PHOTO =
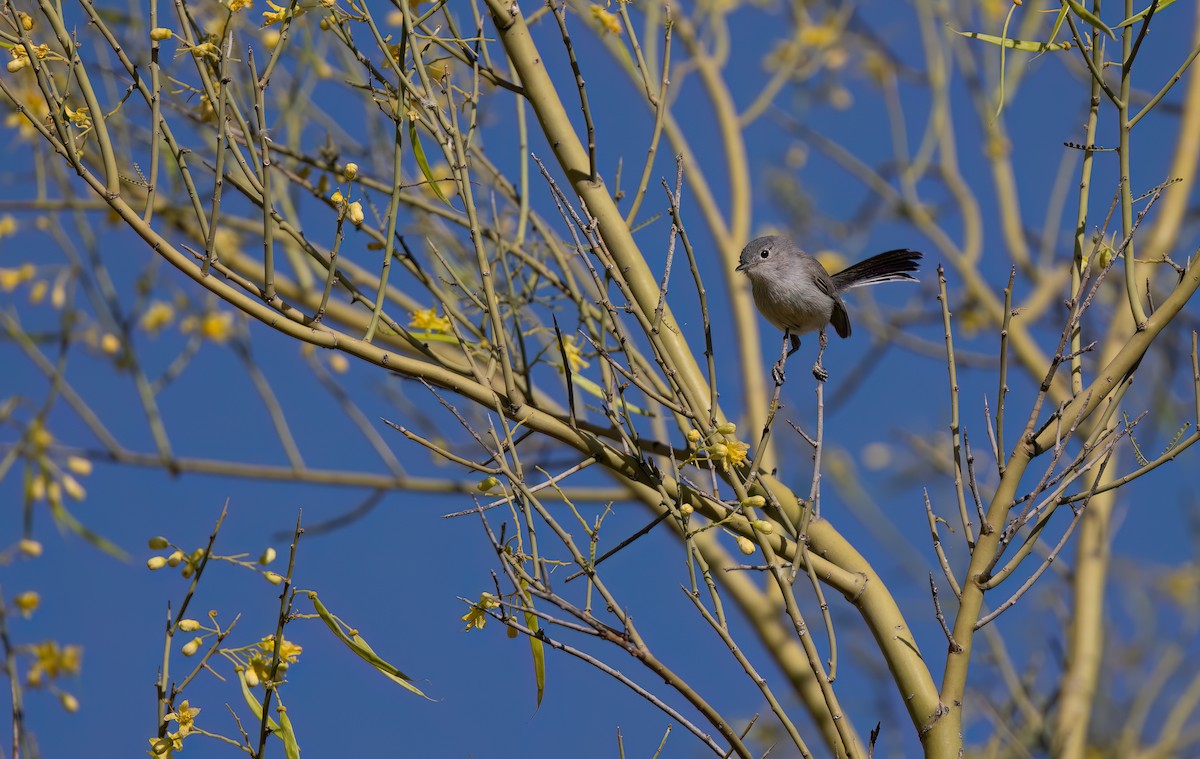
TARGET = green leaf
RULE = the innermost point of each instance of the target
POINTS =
(253, 702)
(536, 647)
(290, 747)
(1058, 22)
(423, 163)
(1139, 16)
(1091, 18)
(67, 520)
(360, 647)
(1029, 46)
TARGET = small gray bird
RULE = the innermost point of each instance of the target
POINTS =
(796, 294)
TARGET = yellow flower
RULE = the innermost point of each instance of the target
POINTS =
(354, 212)
(80, 118)
(574, 353)
(49, 660)
(166, 746)
(477, 616)
(427, 320)
(11, 278)
(158, 314)
(260, 669)
(215, 325)
(608, 21)
(729, 453)
(185, 716)
(279, 13)
(239, 5)
(203, 50)
(8, 225)
(27, 603)
(448, 186)
(819, 35)
(288, 651)
(831, 260)
(339, 364)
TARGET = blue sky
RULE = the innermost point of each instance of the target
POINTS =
(397, 573)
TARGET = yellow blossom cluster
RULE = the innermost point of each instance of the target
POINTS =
(607, 20)
(574, 353)
(216, 326)
(427, 320)
(185, 716)
(259, 665)
(51, 662)
(476, 617)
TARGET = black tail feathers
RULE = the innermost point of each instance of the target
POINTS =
(892, 266)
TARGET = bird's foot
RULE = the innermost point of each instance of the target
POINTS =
(819, 372)
(777, 373)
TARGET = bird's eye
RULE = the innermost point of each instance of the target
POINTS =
(764, 252)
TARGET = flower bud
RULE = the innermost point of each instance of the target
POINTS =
(487, 484)
(158, 542)
(191, 647)
(728, 428)
(79, 465)
(161, 33)
(30, 547)
(156, 562)
(189, 625)
(354, 212)
(273, 577)
(351, 170)
(69, 702)
(686, 509)
(174, 559)
(267, 556)
(746, 545)
(754, 502)
(693, 436)
(763, 526)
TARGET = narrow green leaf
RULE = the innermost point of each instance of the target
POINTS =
(290, 747)
(67, 520)
(1058, 22)
(359, 646)
(536, 647)
(253, 702)
(1139, 16)
(1091, 18)
(1029, 46)
(422, 162)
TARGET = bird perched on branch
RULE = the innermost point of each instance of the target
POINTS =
(795, 293)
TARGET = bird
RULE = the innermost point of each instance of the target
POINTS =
(795, 293)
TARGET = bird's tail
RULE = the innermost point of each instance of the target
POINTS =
(892, 266)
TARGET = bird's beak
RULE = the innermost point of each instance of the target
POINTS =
(742, 267)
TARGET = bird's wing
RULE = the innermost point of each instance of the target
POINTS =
(839, 318)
